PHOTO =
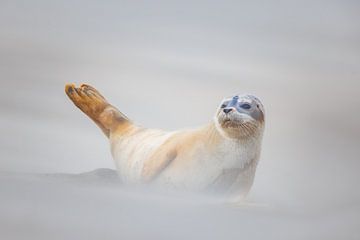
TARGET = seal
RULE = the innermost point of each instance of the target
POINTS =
(220, 157)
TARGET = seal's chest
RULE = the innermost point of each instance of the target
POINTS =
(231, 155)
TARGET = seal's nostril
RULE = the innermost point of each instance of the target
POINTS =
(227, 110)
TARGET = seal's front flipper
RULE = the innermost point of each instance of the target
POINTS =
(158, 162)
(94, 105)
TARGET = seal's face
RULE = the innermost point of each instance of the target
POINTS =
(240, 116)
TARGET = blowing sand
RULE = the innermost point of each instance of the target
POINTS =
(168, 64)
(94, 205)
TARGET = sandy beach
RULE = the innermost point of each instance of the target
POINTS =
(168, 65)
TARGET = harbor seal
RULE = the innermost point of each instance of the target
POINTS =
(220, 157)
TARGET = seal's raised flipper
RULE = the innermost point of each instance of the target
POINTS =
(93, 104)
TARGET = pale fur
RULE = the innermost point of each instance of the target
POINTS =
(203, 155)
(220, 157)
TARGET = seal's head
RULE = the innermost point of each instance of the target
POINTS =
(240, 116)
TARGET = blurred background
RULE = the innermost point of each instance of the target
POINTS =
(168, 64)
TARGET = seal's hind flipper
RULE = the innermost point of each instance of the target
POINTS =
(93, 104)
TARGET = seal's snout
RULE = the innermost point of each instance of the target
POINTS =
(227, 110)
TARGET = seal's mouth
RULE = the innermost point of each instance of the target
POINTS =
(226, 120)
(237, 127)
(230, 123)
(234, 120)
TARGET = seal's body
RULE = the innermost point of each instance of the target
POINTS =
(220, 157)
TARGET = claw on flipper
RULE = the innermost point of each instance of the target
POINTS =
(94, 105)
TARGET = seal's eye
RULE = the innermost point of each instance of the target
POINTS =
(223, 105)
(245, 106)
